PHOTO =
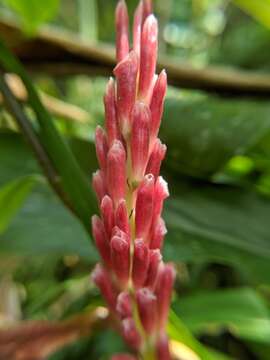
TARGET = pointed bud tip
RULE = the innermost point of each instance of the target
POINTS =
(151, 24)
(146, 295)
(95, 220)
(118, 243)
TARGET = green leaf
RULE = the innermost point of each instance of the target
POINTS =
(203, 133)
(219, 223)
(73, 180)
(33, 13)
(12, 197)
(241, 311)
(178, 331)
(260, 10)
(16, 158)
(44, 226)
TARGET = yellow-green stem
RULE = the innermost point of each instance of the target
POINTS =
(147, 350)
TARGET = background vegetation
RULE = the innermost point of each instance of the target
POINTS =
(217, 128)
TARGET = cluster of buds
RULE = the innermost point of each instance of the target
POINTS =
(134, 281)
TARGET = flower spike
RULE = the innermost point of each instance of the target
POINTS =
(133, 279)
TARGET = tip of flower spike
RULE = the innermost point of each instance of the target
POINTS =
(121, 13)
(130, 61)
(151, 27)
(122, 31)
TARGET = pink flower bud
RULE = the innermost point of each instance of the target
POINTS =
(130, 333)
(156, 157)
(165, 280)
(148, 57)
(116, 171)
(120, 258)
(116, 231)
(144, 207)
(122, 41)
(98, 183)
(101, 239)
(158, 232)
(121, 217)
(147, 8)
(161, 192)
(163, 352)
(147, 303)
(154, 262)
(140, 139)
(140, 263)
(157, 103)
(102, 280)
(126, 77)
(111, 123)
(123, 357)
(137, 28)
(101, 147)
(106, 208)
(123, 305)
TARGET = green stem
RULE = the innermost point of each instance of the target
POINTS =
(147, 350)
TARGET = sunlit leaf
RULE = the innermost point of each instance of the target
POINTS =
(241, 311)
(259, 9)
(179, 332)
(32, 12)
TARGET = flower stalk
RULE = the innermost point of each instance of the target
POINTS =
(132, 278)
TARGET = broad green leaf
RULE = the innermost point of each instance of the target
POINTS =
(178, 331)
(44, 226)
(16, 158)
(12, 197)
(32, 12)
(219, 223)
(74, 182)
(259, 9)
(242, 311)
(203, 133)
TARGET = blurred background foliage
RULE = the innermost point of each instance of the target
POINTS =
(217, 166)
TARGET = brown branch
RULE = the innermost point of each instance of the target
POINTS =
(53, 105)
(61, 53)
(36, 340)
